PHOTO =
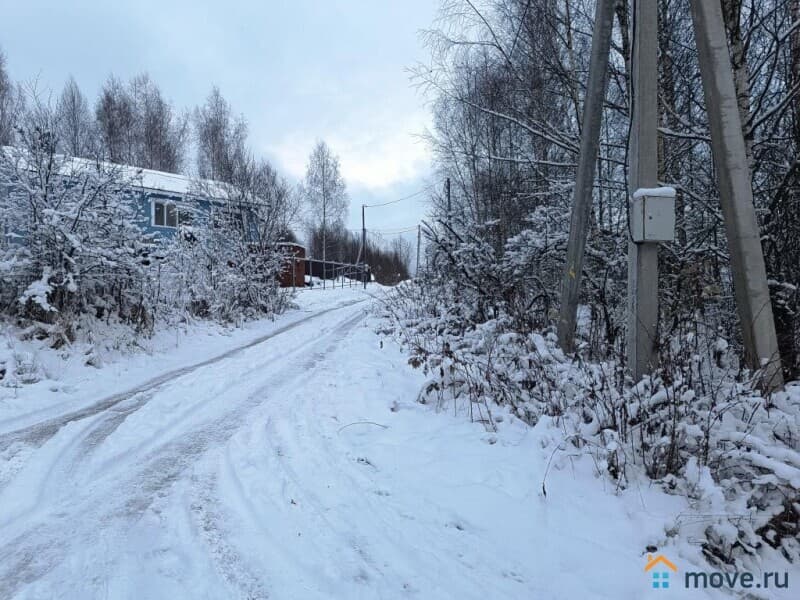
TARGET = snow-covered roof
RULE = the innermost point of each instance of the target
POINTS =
(149, 179)
(178, 184)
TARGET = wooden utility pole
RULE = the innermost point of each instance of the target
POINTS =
(643, 257)
(419, 239)
(324, 241)
(736, 194)
(447, 193)
(364, 245)
(584, 183)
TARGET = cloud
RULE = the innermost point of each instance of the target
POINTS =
(375, 151)
(298, 71)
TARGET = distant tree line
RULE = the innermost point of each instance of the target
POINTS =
(326, 206)
(389, 265)
(132, 123)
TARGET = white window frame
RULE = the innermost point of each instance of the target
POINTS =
(167, 203)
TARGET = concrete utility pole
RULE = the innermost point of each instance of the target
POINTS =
(643, 257)
(584, 183)
(736, 194)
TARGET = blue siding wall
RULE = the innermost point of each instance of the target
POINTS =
(199, 209)
(142, 201)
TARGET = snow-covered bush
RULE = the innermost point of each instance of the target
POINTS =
(73, 248)
(71, 244)
(226, 264)
(204, 273)
(696, 414)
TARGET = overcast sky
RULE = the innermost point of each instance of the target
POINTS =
(299, 70)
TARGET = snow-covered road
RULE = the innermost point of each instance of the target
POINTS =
(302, 467)
(91, 478)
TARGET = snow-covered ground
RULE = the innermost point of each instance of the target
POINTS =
(69, 379)
(302, 467)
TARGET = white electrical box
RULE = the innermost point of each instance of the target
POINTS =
(653, 215)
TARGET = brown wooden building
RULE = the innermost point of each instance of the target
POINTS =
(294, 271)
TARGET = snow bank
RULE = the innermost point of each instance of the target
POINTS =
(698, 432)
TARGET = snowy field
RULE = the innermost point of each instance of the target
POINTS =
(302, 467)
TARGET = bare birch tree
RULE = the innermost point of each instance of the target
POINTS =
(324, 192)
(220, 138)
(77, 133)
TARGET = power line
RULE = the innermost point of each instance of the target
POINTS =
(389, 231)
(414, 195)
(393, 231)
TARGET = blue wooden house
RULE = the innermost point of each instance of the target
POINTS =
(167, 200)
(163, 202)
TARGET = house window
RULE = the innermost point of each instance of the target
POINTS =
(167, 214)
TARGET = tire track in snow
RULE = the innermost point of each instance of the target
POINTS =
(346, 528)
(208, 515)
(341, 532)
(366, 520)
(39, 433)
(17, 446)
(208, 512)
(36, 551)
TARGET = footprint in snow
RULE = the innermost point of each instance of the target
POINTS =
(514, 576)
(455, 525)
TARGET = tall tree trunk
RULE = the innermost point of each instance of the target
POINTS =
(623, 21)
(573, 70)
(795, 65)
(732, 16)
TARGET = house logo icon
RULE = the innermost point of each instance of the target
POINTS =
(659, 568)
